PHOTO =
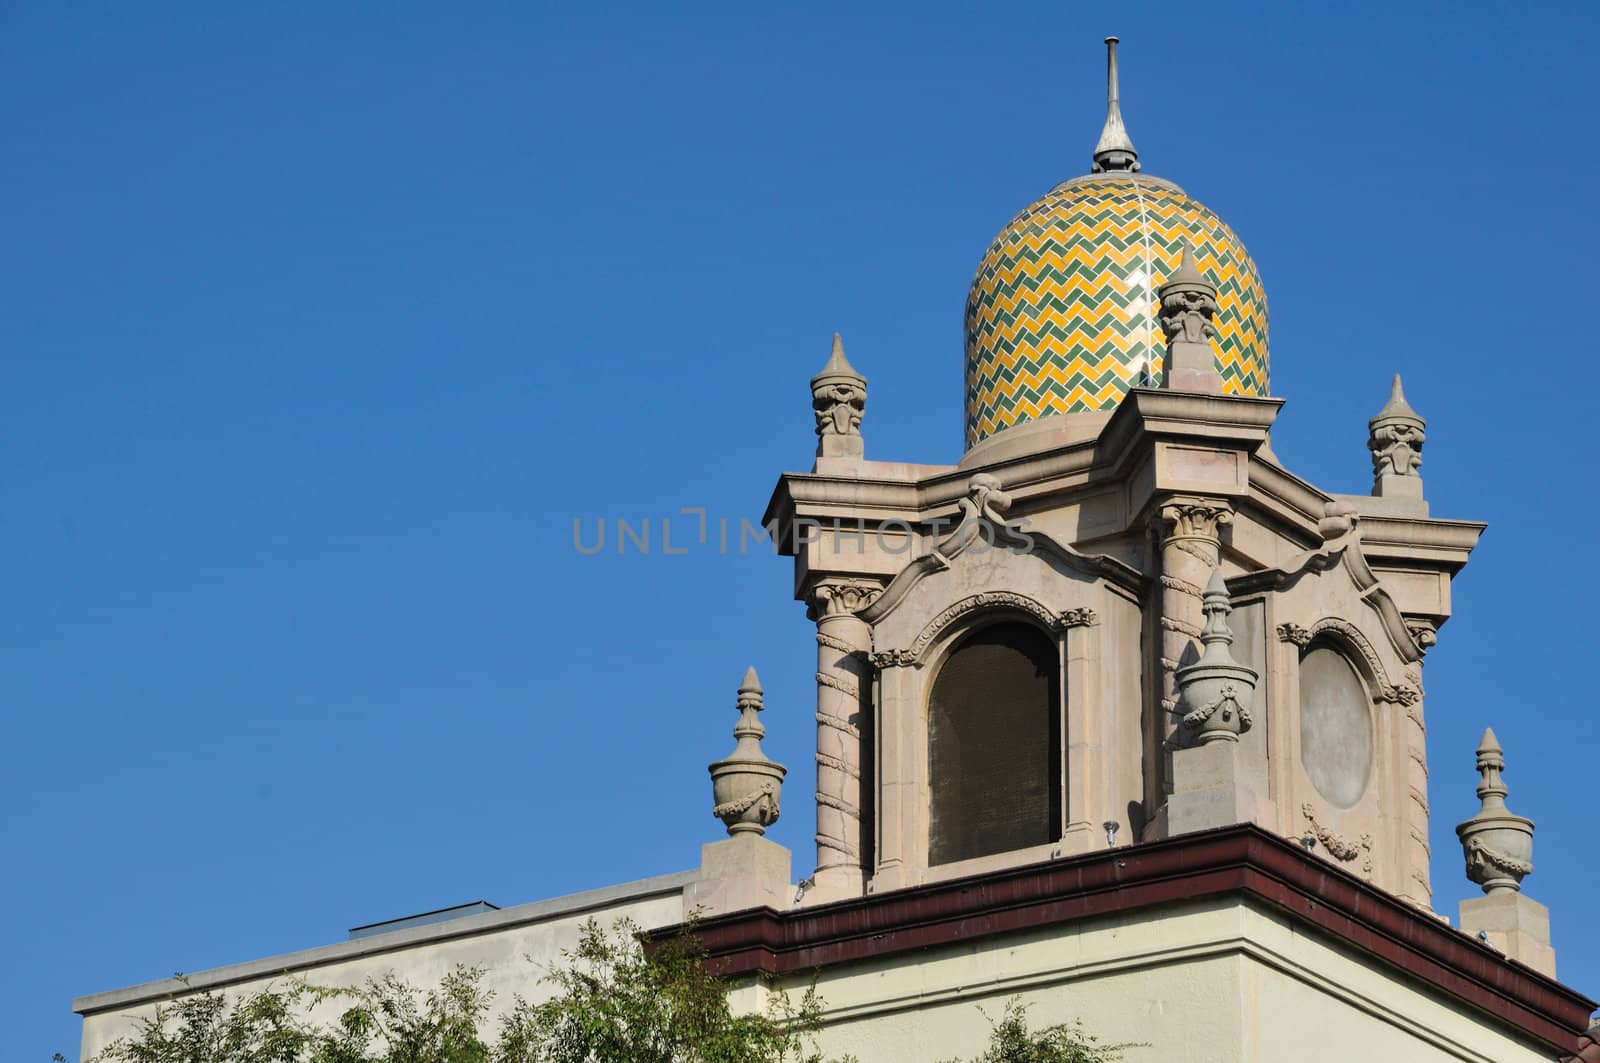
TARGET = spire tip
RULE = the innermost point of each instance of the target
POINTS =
(1114, 152)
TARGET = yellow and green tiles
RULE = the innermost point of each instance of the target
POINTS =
(1062, 316)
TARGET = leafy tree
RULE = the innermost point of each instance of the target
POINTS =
(617, 1003)
(613, 1003)
(1011, 1041)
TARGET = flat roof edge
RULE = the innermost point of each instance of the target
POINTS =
(466, 926)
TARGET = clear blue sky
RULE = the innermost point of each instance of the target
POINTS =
(320, 327)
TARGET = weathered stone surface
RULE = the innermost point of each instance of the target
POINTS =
(746, 871)
(1335, 727)
(1514, 923)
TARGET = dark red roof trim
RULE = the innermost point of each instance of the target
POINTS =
(1243, 860)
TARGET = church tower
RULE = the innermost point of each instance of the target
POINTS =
(1119, 618)
(1117, 718)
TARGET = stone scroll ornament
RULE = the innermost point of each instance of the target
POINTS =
(746, 786)
(1497, 843)
(1215, 693)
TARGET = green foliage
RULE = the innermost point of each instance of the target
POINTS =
(613, 1003)
(617, 1005)
(1011, 1041)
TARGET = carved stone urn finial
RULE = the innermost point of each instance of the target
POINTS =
(1215, 692)
(1498, 844)
(746, 785)
(1395, 437)
(839, 399)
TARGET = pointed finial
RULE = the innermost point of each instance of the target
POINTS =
(1397, 406)
(745, 787)
(1187, 277)
(1215, 692)
(838, 364)
(1188, 303)
(839, 401)
(1114, 152)
(1395, 437)
(1498, 844)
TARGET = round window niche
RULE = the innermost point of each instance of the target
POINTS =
(1335, 727)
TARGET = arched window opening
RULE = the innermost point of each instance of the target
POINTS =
(994, 745)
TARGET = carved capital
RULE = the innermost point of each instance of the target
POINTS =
(1193, 518)
(1295, 633)
(1077, 618)
(839, 407)
(892, 658)
(841, 597)
(1396, 448)
(1186, 316)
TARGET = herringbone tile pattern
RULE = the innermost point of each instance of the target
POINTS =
(1062, 314)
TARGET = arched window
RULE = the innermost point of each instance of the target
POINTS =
(994, 745)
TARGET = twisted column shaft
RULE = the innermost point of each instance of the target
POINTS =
(1189, 552)
(843, 678)
(1417, 887)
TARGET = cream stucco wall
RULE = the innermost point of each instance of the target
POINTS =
(1220, 981)
(515, 946)
(1215, 982)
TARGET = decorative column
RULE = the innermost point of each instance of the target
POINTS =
(1189, 552)
(1498, 845)
(843, 675)
(1406, 697)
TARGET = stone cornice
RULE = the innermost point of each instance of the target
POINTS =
(1242, 861)
(308, 960)
(1444, 543)
(1145, 416)
(1273, 495)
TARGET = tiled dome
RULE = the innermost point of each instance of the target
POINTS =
(1063, 314)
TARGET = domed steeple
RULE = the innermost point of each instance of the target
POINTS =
(1063, 315)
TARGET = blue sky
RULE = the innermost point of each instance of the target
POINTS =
(320, 327)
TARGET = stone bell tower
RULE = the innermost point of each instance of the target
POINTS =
(1119, 617)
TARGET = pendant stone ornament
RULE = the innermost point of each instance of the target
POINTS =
(745, 787)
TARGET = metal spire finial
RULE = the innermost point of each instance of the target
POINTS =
(1115, 151)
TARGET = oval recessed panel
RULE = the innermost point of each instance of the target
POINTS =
(1335, 727)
